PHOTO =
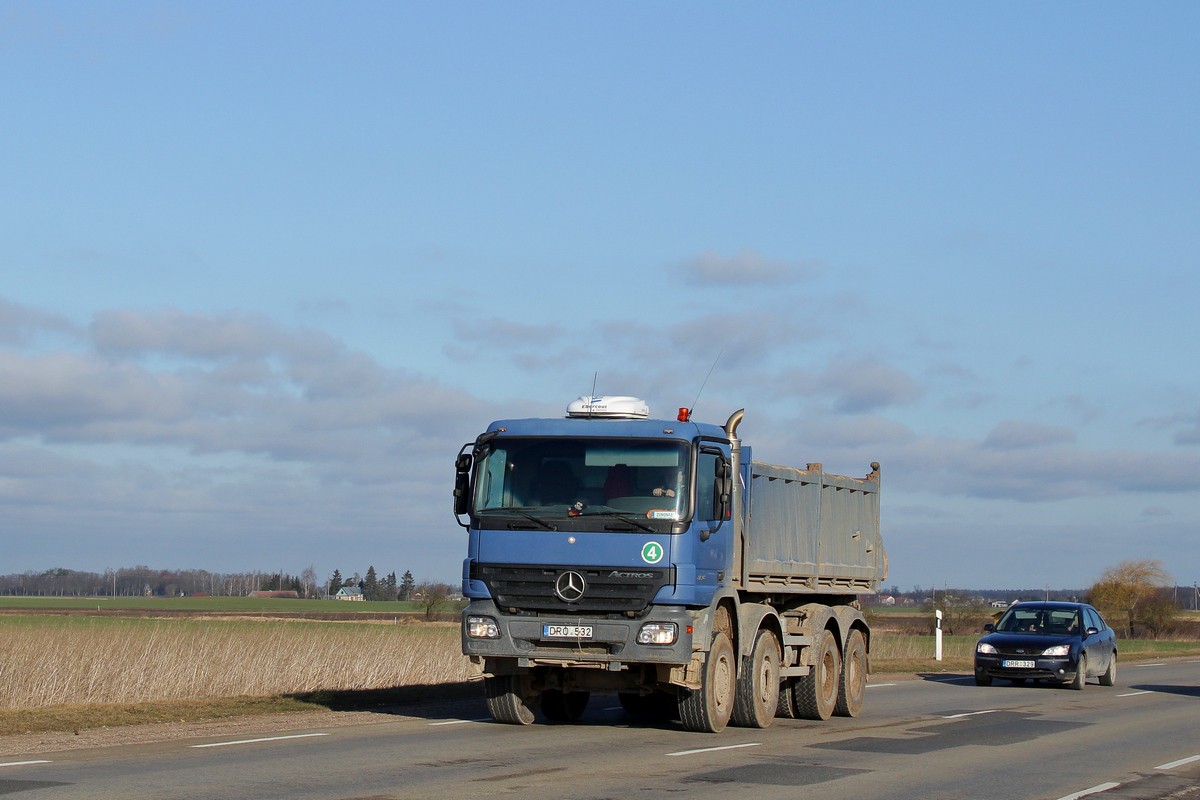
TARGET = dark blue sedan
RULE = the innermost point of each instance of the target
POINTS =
(1061, 642)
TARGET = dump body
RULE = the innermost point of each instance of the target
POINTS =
(812, 532)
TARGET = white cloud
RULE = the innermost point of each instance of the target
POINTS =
(19, 324)
(1014, 434)
(746, 267)
(867, 385)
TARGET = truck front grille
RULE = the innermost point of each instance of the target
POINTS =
(607, 590)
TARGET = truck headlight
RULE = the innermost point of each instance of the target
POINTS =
(1057, 650)
(657, 633)
(984, 647)
(482, 628)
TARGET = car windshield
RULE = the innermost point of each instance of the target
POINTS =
(560, 477)
(1046, 621)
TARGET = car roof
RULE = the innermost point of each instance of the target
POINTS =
(1051, 604)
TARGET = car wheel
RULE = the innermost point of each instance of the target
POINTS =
(983, 680)
(1110, 675)
(1080, 674)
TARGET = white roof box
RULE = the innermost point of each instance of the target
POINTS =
(616, 407)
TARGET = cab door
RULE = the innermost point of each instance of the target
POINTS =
(712, 535)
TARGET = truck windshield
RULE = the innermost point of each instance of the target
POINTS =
(556, 478)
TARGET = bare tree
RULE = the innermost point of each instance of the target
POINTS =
(431, 594)
(1124, 593)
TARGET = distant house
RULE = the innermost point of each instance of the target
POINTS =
(349, 593)
(290, 595)
(887, 600)
(999, 604)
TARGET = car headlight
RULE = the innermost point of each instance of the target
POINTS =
(482, 628)
(1057, 650)
(984, 647)
(657, 633)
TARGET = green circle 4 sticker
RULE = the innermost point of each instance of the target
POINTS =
(652, 552)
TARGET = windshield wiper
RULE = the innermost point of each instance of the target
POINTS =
(530, 517)
(619, 516)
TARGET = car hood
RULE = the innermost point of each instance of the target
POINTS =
(1032, 642)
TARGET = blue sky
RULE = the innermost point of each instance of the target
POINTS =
(264, 267)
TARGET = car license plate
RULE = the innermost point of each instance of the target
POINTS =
(1016, 664)
(567, 631)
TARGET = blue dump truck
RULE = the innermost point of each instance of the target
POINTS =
(612, 552)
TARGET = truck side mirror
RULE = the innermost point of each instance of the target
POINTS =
(462, 484)
(722, 490)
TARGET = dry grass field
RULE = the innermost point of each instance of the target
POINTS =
(57, 661)
(48, 661)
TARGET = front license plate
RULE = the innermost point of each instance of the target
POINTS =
(1010, 663)
(567, 631)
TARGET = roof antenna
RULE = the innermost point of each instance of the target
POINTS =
(692, 410)
(592, 396)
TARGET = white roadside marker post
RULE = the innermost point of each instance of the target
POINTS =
(938, 636)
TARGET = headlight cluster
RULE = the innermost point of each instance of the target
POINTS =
(984, 647)
(657, 633)
(482, 628)
(1057, 650)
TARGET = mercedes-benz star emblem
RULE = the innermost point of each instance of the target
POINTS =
(569, 587)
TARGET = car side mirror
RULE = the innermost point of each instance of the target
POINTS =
(989, 627)
(1093, 631)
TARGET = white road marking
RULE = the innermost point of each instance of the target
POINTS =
(461, 721)
(1135, 694)
(711, 749)
(1194, 662)
(266, 739)
(972, 713)
(1168, 765)
(874, 685)
(1103, 787)
(23, 763)
(1159, 664)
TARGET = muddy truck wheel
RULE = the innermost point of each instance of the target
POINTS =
(707, 709)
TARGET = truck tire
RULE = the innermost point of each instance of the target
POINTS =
(815, 694)
(563, 706)
(509, 701)
(787, 705)
(852, 688)
(659, 705)
(757, 694)
(707, 709)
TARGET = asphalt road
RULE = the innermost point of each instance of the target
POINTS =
(927, 739)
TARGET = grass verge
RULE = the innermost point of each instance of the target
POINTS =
(112, 715)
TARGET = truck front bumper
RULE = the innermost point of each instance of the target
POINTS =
(613, 643)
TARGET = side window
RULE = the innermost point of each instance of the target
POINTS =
(1094, 620)
(706, 466)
